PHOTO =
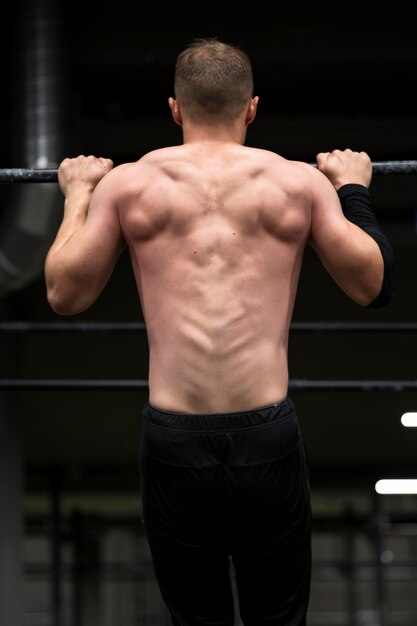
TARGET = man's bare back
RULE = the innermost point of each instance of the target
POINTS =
(216, 234)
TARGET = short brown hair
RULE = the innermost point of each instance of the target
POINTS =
(213, 79)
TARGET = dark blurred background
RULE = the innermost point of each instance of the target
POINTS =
(94, 78)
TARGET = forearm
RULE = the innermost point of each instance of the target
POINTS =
(75, 215)
(356, 206)
(72, 274)
(59, 263)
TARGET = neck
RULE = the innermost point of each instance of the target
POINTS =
(214, 133)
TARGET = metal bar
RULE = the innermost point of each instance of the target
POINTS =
(350, 567)
(56, 544)
(11, 517)
(391, 167)
(78, 569)
(367, 327)
(295, 384)
(298, 384)
(394, 167)
(23, 327)
(381, 583)
(62, 384)
(28, 175)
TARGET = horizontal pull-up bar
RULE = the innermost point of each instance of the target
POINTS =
(28, 175)
(24, 327)
(295, 384)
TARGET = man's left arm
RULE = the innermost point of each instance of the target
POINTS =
(357, 208)
(89, 240)
(350, 173)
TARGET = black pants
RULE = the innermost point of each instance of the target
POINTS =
(219, 486)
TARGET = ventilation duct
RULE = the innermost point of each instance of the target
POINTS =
(33, 212)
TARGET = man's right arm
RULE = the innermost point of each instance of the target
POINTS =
(89, 240)
(346, 233)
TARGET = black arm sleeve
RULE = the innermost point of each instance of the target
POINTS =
(357, 208)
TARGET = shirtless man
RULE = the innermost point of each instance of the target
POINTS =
(216, 233)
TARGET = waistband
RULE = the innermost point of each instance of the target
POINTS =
(219, 421)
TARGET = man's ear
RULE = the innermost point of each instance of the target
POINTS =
(252, 108)
(175, 110)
